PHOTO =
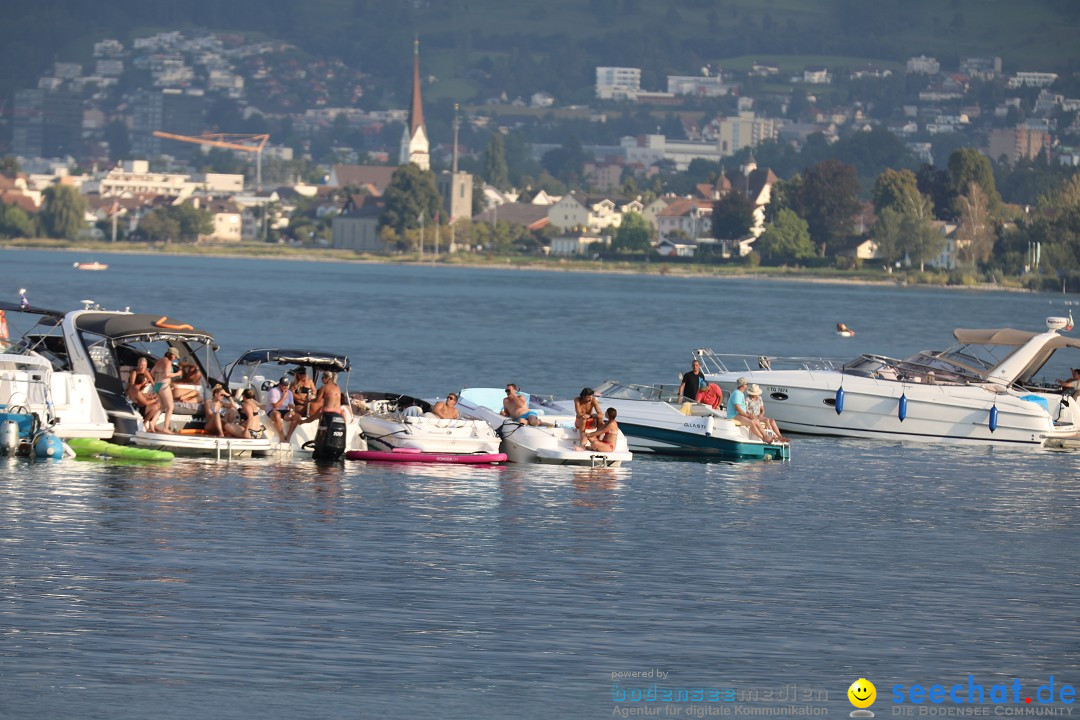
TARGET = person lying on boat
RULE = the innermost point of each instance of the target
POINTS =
(587, 413)
(327, 400)
(446, 410)
(249, 425)
(280, 408)
(216, 407)
(303, 390)
(189, 375)
(163, 372)
(694, 387)
(736, 410)
(603, 439)
(139, 383)
(755, 408)
(516, 407)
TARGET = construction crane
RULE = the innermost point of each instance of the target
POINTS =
(229, 141)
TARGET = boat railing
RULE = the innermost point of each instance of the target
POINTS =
(714, 363)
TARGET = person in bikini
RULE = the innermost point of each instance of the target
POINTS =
(303, 390)
(215, 408)
(163, 374)
(249, 416)
(586, 411)
(603, 439)
(516, 407)
(139, 381)
(446, 410)
(189, 375)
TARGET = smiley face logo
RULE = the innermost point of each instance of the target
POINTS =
(862, 693)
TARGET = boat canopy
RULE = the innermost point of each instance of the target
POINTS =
(134, 326)
(999, 336)
(309, 358)
(54, 315)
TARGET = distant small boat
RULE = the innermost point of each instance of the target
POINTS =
(90, 266)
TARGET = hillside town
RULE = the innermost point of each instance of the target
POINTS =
(147, 145)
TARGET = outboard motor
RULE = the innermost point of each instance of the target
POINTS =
(9, 437)
(330, 438)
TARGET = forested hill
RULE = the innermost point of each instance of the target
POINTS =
(519, 48)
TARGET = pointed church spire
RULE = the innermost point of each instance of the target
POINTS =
(414, 141)
(416, 110)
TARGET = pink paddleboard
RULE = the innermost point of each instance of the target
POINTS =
(423, 457)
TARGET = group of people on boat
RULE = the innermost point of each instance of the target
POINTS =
(597, 429)
(745, 405)
(293, 401)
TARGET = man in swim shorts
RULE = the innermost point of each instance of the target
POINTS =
(516, 407)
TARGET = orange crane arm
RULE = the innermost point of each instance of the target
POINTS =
(220, 140)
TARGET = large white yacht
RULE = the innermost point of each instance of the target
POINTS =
(996, 386)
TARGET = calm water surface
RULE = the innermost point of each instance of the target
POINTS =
(259, 589)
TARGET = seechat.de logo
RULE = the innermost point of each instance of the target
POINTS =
(862, 695)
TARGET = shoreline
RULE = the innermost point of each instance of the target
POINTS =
(594, 267)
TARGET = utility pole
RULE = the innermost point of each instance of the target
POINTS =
(421, 244)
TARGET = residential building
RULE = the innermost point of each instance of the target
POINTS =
(373, 178)
(923, 65)
(591, 213)
(170, 110)
(579, 244)
(699, 85)
(816, 75)
(1026, 141)
(1032, 79)
(357, 227)
(617, 83)
(745, 130)
(531, 217)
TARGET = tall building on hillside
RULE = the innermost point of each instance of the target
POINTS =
(414, 141)
(171, 110)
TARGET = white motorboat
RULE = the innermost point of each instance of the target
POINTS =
(656, 420)
(102, 346)
(555, 441)
(36, 380)
(984, 390)
(261, 369)
(393, 422)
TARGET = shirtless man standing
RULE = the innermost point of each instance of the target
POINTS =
(516, 407)
(163, 374)
(446, 410)
(328, 399)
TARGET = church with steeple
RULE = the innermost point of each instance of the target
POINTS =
(414, 141)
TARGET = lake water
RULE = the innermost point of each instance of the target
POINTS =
(266, 589)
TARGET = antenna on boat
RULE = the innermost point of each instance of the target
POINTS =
(87, 304)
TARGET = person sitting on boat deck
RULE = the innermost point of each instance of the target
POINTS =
(303, 389)
(736, 410)
(327, 400)
(516, 407)
(587, 412)
(139, 382)
(249, 417)
(163, 374)
(215, 408)
(755, 408)
(446, 410)
(280, 407)
(189, 375)
(603, 439)
(695, 388)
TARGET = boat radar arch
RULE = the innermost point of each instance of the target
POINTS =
(1058, 323)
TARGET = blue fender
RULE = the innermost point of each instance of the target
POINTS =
(901, 411)
(839, 399)
(993, 418)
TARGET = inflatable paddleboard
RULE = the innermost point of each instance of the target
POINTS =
(415, 456)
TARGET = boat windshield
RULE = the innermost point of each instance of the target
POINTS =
(976, 357)
(627, 391)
